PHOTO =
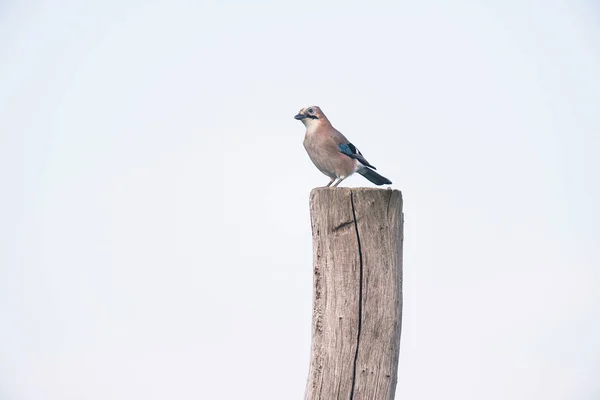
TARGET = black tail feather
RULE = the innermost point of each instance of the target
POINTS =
(374, 176)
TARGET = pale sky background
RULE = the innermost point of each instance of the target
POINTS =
(154, 227)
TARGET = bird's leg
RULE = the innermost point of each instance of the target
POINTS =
(339, 181)
(330, 182)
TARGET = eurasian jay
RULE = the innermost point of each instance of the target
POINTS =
(331, 152)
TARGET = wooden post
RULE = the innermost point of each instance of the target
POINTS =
(357, 297)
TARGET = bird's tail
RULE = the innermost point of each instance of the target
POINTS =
(374, 176)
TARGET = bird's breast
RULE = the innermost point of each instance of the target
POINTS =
(324, 154)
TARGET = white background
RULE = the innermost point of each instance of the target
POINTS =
(154, 229)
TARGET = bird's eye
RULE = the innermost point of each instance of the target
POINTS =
(311, 111)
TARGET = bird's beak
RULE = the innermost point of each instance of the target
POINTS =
(300, 116)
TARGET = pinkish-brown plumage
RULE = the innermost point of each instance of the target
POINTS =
(322, 143)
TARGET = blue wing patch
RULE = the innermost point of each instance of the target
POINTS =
(347, 150)
(351, 151)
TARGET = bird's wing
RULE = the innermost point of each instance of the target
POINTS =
(351, 151)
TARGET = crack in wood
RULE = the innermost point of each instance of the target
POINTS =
(342, 225)
(360, 293)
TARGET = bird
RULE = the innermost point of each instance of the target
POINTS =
(331, 152)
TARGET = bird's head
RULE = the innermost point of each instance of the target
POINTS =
(311, 116)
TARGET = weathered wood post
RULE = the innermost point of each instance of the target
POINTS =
(357, 294)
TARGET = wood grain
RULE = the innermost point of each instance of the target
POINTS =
(357, 293)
